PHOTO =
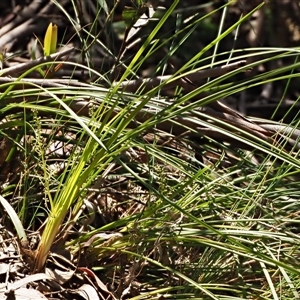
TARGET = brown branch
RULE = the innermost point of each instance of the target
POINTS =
(31, 64)
(149, 83)
(44, 82)
(178, 125)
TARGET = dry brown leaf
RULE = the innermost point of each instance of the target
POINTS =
(87, 292)
(91, 275)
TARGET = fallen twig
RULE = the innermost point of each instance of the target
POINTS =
(31, 64)
(166, 81)
(45, 82)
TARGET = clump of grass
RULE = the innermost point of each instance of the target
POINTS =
(209, 220)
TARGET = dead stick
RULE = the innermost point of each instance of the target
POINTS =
(45, 82)
(31, 64)
(149, 83)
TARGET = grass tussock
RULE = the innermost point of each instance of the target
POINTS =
(148, 187)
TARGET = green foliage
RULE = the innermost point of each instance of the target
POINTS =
(131, 15)
(221, 227)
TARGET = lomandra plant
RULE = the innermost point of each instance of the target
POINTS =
(210, 207)
(106, 141)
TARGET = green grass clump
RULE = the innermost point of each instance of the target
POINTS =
(136, 190)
